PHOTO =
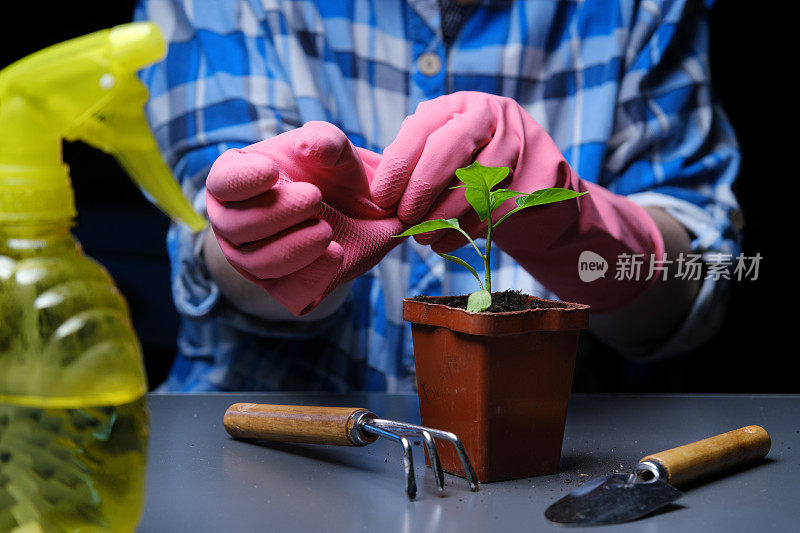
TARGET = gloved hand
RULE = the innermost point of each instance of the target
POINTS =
(294, 215)
(452, 131)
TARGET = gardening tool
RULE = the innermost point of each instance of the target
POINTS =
(341, 426)
(623, 497)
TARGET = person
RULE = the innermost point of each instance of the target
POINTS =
(411, 90)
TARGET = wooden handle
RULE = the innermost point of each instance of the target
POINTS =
(715, 454)
(296, 423)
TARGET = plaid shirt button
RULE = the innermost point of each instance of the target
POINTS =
(429, 64)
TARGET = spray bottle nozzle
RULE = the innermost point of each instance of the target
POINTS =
(83, 89)
(134, 46)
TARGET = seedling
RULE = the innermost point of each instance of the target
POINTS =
(478, 184)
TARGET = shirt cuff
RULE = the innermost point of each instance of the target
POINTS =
(707, 313)
(702, 322)
(194, 291)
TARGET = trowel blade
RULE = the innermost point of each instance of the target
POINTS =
(610, 500)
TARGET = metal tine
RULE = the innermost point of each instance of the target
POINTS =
(433, 456)
(408, 458)
(430, 447)
(472, 478)
(452, 438)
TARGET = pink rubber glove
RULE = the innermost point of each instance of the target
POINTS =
(448, 132)
(294, 215)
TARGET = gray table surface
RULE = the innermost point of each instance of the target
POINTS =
(201, 480)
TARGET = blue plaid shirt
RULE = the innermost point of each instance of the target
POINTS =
(621, 86)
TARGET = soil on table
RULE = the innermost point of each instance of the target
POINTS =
(502, 302)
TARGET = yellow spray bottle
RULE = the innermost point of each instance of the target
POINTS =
(73, 425)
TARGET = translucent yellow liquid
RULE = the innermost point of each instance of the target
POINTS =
(73, 421)
(77, 470)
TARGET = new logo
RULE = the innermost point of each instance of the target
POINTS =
(591, 266)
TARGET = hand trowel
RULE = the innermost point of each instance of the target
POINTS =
(622, 497)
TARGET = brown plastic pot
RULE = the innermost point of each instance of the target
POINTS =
(500, 381)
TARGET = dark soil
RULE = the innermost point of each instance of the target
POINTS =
(502, 302)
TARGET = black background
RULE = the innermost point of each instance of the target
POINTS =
(752, 66)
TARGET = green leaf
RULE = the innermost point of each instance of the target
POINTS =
(496, 198)
(547, 196)
(431, 225)
(479, 200)
(478, 301)
(478, 181)
(540, 197)
(459, 261)
(479, 176)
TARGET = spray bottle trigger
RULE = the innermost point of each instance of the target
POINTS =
(120, 128)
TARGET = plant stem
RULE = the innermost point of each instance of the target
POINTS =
(487, 256)
(465, 234)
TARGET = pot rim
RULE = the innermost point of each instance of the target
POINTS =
(567, 316)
